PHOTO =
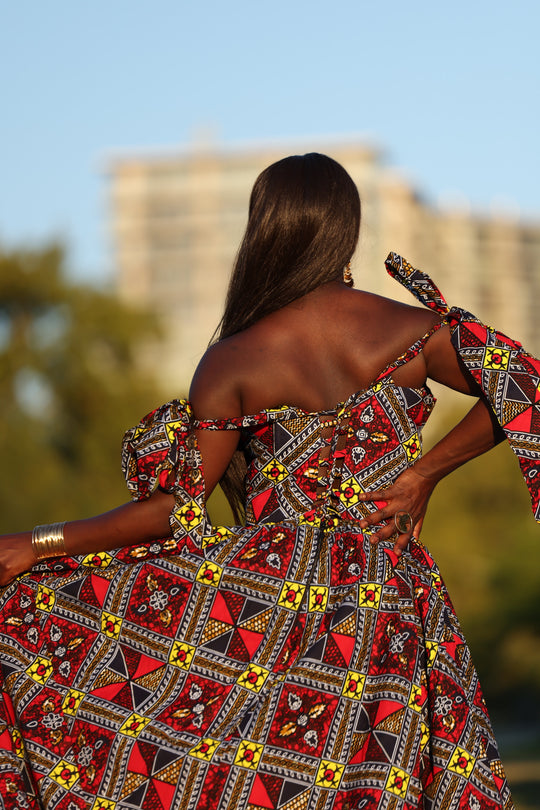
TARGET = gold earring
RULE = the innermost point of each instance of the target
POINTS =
(347, 276)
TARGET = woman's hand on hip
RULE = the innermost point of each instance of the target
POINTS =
(403, 508)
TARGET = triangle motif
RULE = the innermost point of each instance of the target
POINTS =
(136, 762)
(252, 641)
(387, 742)
(345, 645)
(237, 648)
(136, 799)
(521, 422)
(282, 437)
(145, 666)
(290, 792)
(316, 651)
(118, 664)
(220, 609)
(515, 393)
(163, 792)
(221, 643)
(259, 502)
(251, 608)
(259, 795)
(100, 586)
(139, 695)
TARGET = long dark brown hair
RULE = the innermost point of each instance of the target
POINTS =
(302, 230)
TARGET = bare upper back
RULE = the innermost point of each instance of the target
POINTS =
(313, 353)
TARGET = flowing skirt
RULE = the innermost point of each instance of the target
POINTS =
(286, 666)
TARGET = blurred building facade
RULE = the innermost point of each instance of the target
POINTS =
(178, 219)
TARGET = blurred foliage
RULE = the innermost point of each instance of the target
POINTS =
(70, 384)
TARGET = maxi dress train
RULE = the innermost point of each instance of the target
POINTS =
(286, 664)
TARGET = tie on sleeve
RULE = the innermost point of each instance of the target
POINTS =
(162, 452)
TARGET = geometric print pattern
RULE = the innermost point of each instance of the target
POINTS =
(285, 664)
(507, 374)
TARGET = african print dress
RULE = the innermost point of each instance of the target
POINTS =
(285, 664)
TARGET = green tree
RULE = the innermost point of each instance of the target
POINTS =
(71, 382)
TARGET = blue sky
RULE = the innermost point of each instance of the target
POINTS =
(448, 91)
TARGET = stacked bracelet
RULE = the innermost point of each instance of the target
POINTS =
(48, 541)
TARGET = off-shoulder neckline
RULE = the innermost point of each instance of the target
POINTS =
(281, 410)
(342, 405)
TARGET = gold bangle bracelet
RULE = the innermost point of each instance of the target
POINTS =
(48, 541)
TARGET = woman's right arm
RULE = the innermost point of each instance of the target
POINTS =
(142, 521)
(129, 524)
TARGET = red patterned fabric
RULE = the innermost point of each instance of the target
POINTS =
(286, 664)
(507, 374)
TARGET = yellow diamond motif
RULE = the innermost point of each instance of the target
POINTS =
(415, 698)
(397, 782)
(432, 649)
(40, 670)
(496, 358)
(189, 515)
(424, 735)
(45, 599)
(310, 519)
(65, 774)
(220, 533)
(349, 491)
(181, 654)
(204, 749)
(209, 574)
(110, 624)
(72, 701)
(413, 447)
(133, 726)
(253, 678)
(210, 540)
(17, 740)
(436, 583)
(369, 595)
(103, 804)
(172, 429)
(291, 595)
(249, 754)
(275, 471)
(354, 685)
(461, 762)
(329, 774)
(318, 598)
(99, 559)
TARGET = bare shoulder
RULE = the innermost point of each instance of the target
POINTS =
(215, 387)
(419, 317)
(397, 322)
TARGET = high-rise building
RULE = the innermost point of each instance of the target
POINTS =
(178, 219)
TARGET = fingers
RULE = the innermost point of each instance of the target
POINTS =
(390, 530)
(401, 544)
(379, 496)
(418, 528)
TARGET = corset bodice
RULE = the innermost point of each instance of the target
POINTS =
(314, 465)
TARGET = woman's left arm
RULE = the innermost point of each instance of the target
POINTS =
(411, 491)
(477, 433)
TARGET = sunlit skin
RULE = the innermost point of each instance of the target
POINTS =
(311, 354)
